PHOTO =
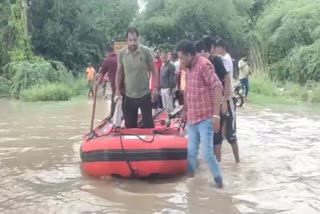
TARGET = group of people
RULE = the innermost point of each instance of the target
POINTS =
(198, 73)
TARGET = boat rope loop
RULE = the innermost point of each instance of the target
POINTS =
(133, 173)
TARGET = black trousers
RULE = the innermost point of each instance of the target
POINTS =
(130, 111)
(229, 119)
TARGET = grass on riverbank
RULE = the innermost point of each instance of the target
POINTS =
(54, 91)
(263, 85)
(289, 96)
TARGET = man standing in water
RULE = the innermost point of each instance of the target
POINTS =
(91, 73)
(135, 62)
(109, 69)
(167, 82)
(202, 106)
(228, 108)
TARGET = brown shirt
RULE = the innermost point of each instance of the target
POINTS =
(109, 67)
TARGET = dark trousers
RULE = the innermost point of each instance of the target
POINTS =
(245, 85)
(90, 86)
(157, 104)
(130, 110)
(229, 120)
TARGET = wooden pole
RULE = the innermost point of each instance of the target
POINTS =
(94, 105)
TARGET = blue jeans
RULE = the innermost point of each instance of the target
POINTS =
(245, 85)
(202, 132)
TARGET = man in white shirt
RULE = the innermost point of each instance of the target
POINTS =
(244, 72)
(225, 56)
(228, 114)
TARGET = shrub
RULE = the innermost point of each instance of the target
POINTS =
(260, 83)
(25, 74)
(4, 87)
(315, 94)
(79, 86)
(48, 92)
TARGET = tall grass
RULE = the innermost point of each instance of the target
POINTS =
(54, 91)
(262, 84)
(79, 87)
(4, 87)
(26, 74)
(50, 92)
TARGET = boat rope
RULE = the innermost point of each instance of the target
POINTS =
(133, 173)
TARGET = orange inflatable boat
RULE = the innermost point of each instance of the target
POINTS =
(162, 151)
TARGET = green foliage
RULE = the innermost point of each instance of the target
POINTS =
(4, 87)
(15, 45)
(24, 74)
(262, 84)
(79, 87)
(315, 95)
(76, 31)
(290, 31)
(49, 92)
(167, 21)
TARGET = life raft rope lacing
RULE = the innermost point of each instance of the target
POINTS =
(133, 172)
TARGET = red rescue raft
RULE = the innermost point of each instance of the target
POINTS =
(161, 151)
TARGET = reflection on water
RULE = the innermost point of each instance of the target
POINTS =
(40, 167)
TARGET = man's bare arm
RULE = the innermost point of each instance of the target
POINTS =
(217, 99)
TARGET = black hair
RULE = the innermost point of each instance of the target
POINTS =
(200, 46)
(186, 46)
(209, 42)
(221, 43)
(132, 30)
(174, 55)
(157, 49)
(109, 48)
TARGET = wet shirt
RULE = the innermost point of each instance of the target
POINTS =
(201, 81)
(136, 71)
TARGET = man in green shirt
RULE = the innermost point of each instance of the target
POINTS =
(135, 63)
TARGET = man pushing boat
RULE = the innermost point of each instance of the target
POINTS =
(135, 63)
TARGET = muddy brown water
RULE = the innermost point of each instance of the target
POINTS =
(40, 167)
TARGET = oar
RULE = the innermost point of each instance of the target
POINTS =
(94, 105)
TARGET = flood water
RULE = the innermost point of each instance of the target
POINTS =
(40, 167)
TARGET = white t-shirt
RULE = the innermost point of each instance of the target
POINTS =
(228, 64)
(244, 69)
(177, 65)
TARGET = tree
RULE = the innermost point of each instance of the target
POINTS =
(76, 31)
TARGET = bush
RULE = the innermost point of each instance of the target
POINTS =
(4, 87)
(291, 33)
(261, 84)
(79, 86)
(49, 92)
(315, 94)
(25, 74)
(295, 90)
